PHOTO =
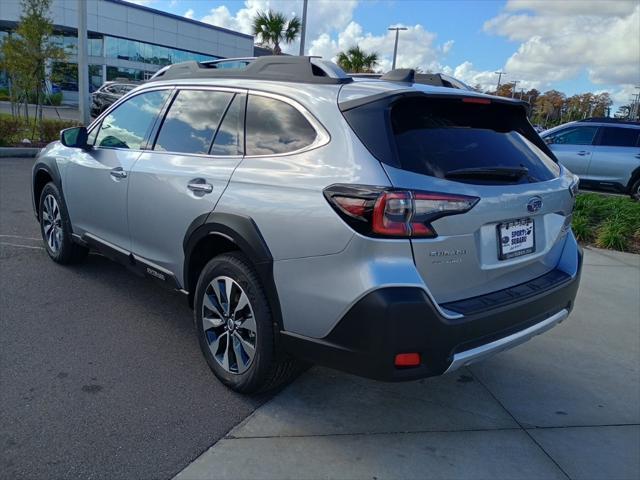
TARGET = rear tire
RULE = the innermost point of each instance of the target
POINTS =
(55, 228)
(235, 327)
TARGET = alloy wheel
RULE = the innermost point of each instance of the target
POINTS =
(229, 324)
(52, 223)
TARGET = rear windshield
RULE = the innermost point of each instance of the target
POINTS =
(448, 138)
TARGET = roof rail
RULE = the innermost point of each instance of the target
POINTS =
(273, 67)
(609, 120)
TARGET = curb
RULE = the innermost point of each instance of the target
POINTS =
(21, 152)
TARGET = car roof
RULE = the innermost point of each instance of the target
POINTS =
(591, 123)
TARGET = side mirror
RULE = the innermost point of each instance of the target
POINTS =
(75, 137)
(548, 140)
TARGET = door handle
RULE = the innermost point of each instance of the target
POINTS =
(200, 186)
(638, 155)
(118, 173)
(582, 153)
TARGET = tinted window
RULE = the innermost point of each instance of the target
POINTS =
(620, 137)
(575, 136)
(192, 121)
(275, 127)
(437, 137)
(228, 140)
(127, 125)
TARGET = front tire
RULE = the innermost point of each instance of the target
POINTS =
(236, 329)
(55, 228)
(635, 190)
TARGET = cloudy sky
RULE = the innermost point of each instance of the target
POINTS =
(571, 45)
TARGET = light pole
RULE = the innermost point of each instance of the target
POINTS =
(83, 64)
(513, 90)
(499, 78)
(395, 46)
(303, 28)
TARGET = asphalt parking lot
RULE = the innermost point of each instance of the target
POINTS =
(101, 377)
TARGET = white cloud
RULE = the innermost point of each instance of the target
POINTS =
(416, 46)
(561, 40)
(469, 75)
(571, 8)
(189, 13)
(330, 29)
(323, 16)
(447, 46)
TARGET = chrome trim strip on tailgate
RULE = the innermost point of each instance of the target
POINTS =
(467, 357)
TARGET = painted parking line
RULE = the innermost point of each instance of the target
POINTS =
(22, 237)
(21, 246)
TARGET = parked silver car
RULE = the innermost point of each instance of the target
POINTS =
(603, 152)
(380, 226)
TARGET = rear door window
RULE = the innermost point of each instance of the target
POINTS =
(192, 121)
(620, 137)
(448, 138)
(229, 138)
(275, 127)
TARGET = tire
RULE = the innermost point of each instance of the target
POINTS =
(55, 228)
(250, 363)
(635, 190)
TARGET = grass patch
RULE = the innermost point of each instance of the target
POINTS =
(14, 130)
(607, 222)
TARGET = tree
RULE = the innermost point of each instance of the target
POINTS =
(355, 60)
(505, 90)
(549, 108)
(273, 28)
(24, 55)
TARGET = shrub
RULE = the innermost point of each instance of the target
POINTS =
(608, 221)
(10, 130)
(613, 234)
(581, 228)
(51, 128)
(55, 99)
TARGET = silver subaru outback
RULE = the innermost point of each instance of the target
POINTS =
(385, 227)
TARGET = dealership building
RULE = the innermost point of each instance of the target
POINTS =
(127, 40)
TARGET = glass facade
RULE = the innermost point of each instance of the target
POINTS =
(115, 73)
(133, 50)
(69, 41)
(64, 75)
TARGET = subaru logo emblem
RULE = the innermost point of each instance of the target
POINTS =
(534, 204)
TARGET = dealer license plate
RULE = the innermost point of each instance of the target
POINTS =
(516, 238)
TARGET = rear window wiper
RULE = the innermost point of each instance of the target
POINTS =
(487, 173)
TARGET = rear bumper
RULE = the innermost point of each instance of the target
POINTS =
(396, 320)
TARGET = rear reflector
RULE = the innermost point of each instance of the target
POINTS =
(407, 360)
(484, 101)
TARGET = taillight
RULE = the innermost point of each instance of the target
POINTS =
(385, 212)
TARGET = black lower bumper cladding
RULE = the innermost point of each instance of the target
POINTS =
(396, 320)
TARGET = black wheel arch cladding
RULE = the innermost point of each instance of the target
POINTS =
(243, 232)
(48, 167)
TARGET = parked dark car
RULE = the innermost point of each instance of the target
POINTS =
(107, 94)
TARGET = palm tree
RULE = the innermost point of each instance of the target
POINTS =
(355, 60)
(273, 28)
